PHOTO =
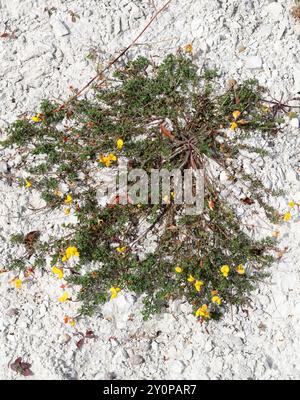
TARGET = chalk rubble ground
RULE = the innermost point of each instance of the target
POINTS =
(249, 39)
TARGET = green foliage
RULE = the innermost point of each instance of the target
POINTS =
(129, 109)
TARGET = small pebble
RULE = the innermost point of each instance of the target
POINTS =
(254, 62)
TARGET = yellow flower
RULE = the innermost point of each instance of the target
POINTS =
(120, 144)
(107, 160)
(178, 270)
(70, 252)
(292, 204)
(18, 283)
(190, 278)
(287, 217)
(188, 48)
(28, 184)
(112, 157)
(72, 322)
(67, 211)
(216, 300)
(64, 297)
(104, 160)
(58, 271)
(121, 250)
(203, 311)
(68, 199)
(233, 126)
(240, 269)
(37, 118)
(198, 285)
(236, 114)
(225, 269)
(114, 292)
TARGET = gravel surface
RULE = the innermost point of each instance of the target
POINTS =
(50, 46)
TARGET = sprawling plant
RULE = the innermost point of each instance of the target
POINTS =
(155, 116)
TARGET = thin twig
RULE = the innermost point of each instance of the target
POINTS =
(111, 63)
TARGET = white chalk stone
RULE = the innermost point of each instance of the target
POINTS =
(294, 122)
(176, 367)
(274, 11)
(253, 62)
(60, 28)
(3, 167)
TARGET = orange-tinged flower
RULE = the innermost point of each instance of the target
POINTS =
(203, 311)
(236, 114)
(211, 205)
(69, 320)
(188, 48)
(107, 160)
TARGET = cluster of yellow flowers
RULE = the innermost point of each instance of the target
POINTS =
(108, 159)
(70, 252)
(204, 311)
(225, 270)
(68, 202)
(288, 216)
(234, 124)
